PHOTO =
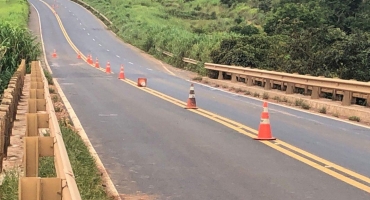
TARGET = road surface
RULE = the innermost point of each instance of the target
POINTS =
(158, 148)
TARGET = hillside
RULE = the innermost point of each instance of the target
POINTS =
(315, 37)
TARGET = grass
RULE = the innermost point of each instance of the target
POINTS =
(83, 164)
(354, 118)
(47, 167)
(322, 110)
(14, 11)
(9, 187)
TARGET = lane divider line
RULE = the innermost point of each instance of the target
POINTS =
(76, 122)
(83, 57)
(252, 133)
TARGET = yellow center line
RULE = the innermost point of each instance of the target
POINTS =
(250, 131)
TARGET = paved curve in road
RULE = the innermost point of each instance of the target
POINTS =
(153, 146)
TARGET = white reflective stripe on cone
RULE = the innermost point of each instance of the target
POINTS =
(191, 96)
(265, 121)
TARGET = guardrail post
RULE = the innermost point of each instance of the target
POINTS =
(35, 147)
(290, 88)
(220, 75)
(37, 94)
(35, 188)
(233, 78)
(334, 93)
(315, 92)
(347, 98)
(267, 84)
(35, 105)
(36, 121)
(368, 100)
(249, 81)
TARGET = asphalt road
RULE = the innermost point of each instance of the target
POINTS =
(153, 146)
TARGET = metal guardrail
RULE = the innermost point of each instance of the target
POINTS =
(344, 90)
(41, 115)
(8, 109)
(314, 86)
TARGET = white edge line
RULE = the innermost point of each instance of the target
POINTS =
(77, 124)
(42, 39)
(284, 106)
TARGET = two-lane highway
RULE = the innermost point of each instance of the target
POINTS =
(339, 142)
(153, 146)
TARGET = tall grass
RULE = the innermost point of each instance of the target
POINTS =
(17, 44)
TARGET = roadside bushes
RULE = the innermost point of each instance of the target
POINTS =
(16, 43)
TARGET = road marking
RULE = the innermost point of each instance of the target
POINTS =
(149, 69)
(166, 68)
(88, 33)
(107, 49)
(117, 56)
(131, 63)
(99, 44)
(93, 39)
(83, 28)
(108, 115)
(250, 132)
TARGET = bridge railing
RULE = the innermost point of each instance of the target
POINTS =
(345, 90)
(41, 116)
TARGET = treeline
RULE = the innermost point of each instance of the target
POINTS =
(326, 38)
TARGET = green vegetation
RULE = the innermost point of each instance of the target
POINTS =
(87, 174)
(9, 187)
(16, 42)
(47, 167)
(14, 11)
(354, 118)
(327, 38)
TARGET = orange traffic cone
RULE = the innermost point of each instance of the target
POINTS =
(78, 55)
(121, 73)
(97, 63)
(54, 54)
(192, 104)
(264, 130)
(88, 59)
(107, 68)
(141, 82)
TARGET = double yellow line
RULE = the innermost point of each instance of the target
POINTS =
(357, 180)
